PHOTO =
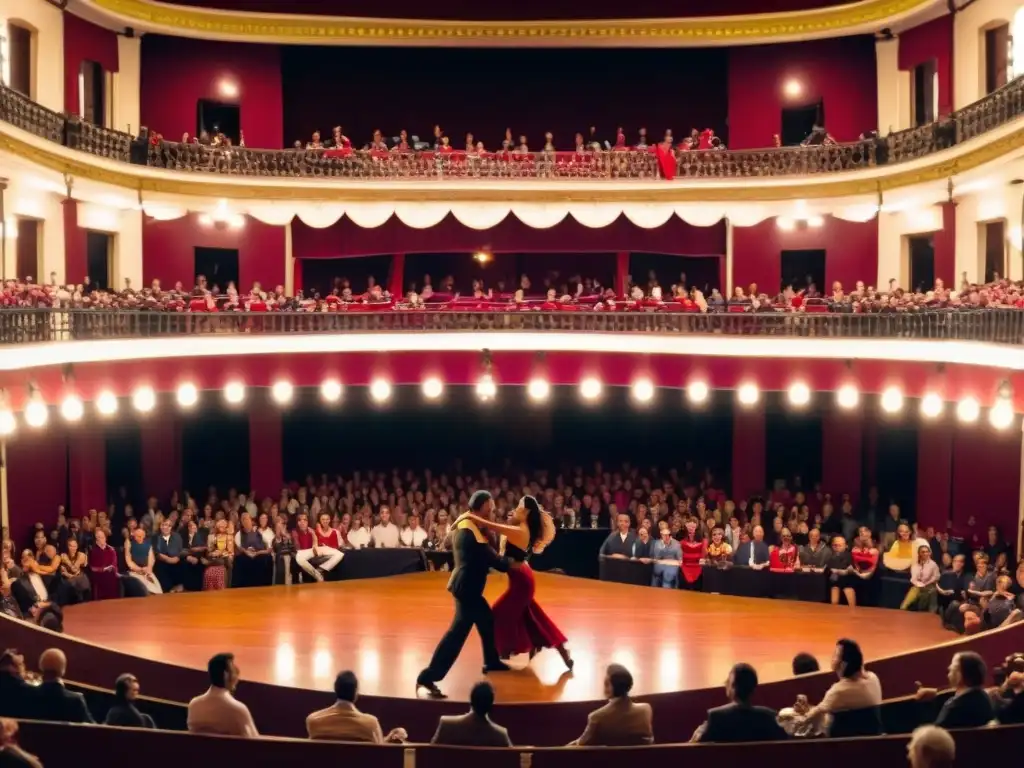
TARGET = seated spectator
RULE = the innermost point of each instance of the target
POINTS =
(475, 728)
(414, 534)
(951, 587)
(167, 548)
(970, 706)
(740, 721)
(17, 697)
(815, 554)
(931, 747)
(620, 722)
(283, 546)
(220, 556)
(805, 664)
(842, 578)
(124, 713)
(903, 552)
(1000, 605)
(139, 557)
(11, 755)
(924, 577)
(73, 567)
(254, 562)
(326, 544)
(754, 553)
(343, 722)
(857, 690)
(1011, 706)
(218, 711)
(53, 701)
(193, 546)
(103, 568)
(643, 546)
(667, 555)
(385, 534)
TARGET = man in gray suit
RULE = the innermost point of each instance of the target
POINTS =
(473, 729)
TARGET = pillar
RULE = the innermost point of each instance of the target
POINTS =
(76, 255)
(87, 470)
(1020, 503)
(160, 433)
(749, 450)
(622, 273)
(289, 261)
(266, 453)
(968, 255)
(127, 85)
(52, 247)
(945, 246)
(888, 89)
(890, 249)
(396, 285)
(842, 451)
(729, 260)
(128, 251)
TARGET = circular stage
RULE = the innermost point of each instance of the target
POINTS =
(385, 631)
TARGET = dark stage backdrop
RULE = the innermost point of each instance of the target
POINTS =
(485, 91)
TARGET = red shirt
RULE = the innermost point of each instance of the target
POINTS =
(329, 539)
(303, 540)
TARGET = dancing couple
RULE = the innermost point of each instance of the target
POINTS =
(515, 623)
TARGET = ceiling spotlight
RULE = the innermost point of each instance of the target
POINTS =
(785, 224)
(643, 390)
(815, 222)
(106, 403)
(433, 388)
(1000, 416)
(72, 409)
(697, 392)
(8, 424)
(144, 399)
(486, 389)
(793, 88)
(748, 394)
(36, 413)
(234, 392)
(892, 400)
(968, 410)
(799, 394)
(538, 389)
(847, 396)
(331, 390)
(282, 392)
(931, 406)
(188, 395)
(380, 390)
(590, 388)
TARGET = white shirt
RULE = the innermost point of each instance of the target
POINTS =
(359, 538)
(37, 584)
(413, 537)
(853, 693)
(217, 711)
(385, 535)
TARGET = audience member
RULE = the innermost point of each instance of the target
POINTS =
(931, 747)
(475, 728)
(17, 697)
(754, 553)
(343, 722)
(53, 701)
(740, 721)
(11, 755)
(805, 664)
(621, 722)
(620, 542)
(924, 577)
(667, 555)
(857, 691)
(217, 710)
(124, 713)
(970, 706)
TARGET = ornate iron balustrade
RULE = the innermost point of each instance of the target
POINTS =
(995, 110)
(1001, 326)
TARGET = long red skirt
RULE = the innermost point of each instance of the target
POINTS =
(520, 625)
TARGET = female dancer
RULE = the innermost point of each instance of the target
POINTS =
(520, 624)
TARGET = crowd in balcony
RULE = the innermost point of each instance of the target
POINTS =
(554, 293)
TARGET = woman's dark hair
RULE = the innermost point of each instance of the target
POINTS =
(534, 521)
(851, 658)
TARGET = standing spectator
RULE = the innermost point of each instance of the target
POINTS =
(385, 533)
(620, 722)
(924, 578)
(103, 569)
(475, 728)
(167, 547)
(124, 712)
(667, 555)
(218, 711)
(53, 701)
(343, 722)
(620, 543)
(931, 747)
(740, 721)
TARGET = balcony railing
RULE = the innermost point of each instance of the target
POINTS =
(1000, 326)
(991, 112)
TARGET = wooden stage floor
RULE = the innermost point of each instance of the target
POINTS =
(386, 629)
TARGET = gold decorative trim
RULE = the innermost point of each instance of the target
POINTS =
(823, 186)
(721, 30)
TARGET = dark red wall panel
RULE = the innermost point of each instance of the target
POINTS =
(933, 40)
(84, 41)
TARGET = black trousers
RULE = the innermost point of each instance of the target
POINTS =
(469, 612)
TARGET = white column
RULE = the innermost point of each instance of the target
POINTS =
(128, 251)
(727, 288)
(47, 21)
(1020, 498)
(890, 250)
(5, 518)
(969, 256)
(51, 231)
(127, 84)
(289, 262)
(888, 76)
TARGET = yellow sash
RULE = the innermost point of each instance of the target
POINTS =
(471, 526)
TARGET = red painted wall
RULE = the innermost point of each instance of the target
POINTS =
(177, 72)
(840, 72)
(84, 41)
(986, 477)
(851, 252)
(168, 250)
(933, 40)
(37, 477)
(76, 249)
(944, 243)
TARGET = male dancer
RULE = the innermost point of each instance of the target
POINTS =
(473, 559)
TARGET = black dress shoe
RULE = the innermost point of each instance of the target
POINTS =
(499, 667)
(432, 690)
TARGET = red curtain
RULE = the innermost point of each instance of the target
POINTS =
(986, 477)
(749, 444)
(266, 461)
(37, 478)
(87, 470)
(76, 254)
(842, 451)
(397, 281)
(621, 272)
(934, 473)
(161, 454)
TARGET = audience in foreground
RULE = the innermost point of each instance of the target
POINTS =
(342, 721)
(217, 710)
(475, 728)
(52, 700)
(740, 721)
(970, 706)
(124, 712)
(931, 747)
(621, 722)
(11, 755)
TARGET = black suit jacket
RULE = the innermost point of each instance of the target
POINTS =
(473, 561)
(56, 703)
(470, 730)
(740, 722)
(970, 709)
(17, 698)
(742, 555)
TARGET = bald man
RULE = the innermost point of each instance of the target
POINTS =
(54, 702)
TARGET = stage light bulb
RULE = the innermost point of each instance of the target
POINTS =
(380, 390)
(331, 390)
(697, 392)
(8, 424)
(1001, 414)
(234, 392)
(433, 388)
(785, 223)
(892, 400)
(144, 399)
(815, 222)
(538, 389)
(968, 410)
(36, 413)
(847, 396)
(72, 409)
(643, 390)
(282, 392)
(106, 403)
(486, 389)
(799, 394)
(748, 394)
(590, 388)
(931, 406)
(188, 395)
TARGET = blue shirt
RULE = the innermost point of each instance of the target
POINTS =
(662, 551)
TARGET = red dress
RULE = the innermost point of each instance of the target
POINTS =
(783, 558)
(105, 584)
(693, 552)
(520, 624)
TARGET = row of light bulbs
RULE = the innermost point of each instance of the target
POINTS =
(642, 390)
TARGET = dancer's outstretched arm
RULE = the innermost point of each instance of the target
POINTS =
(482, 521)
